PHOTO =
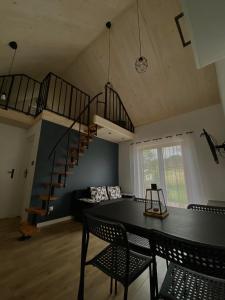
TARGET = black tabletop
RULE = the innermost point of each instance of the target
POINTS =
(203, 227)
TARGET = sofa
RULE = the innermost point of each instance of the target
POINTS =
(92, 196)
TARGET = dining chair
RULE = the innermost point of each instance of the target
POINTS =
(116, 260)
(196, 271)
(207, 208)
(142, 245)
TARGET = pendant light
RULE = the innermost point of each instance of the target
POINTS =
(12, 45)
(108, 26)
(141, 63)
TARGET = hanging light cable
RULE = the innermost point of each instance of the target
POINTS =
(108, 25)
(12, 45)
(141, 63)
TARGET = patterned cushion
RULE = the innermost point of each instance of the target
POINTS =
(114, 192)
(99, 193)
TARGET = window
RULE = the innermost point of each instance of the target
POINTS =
(164, 166)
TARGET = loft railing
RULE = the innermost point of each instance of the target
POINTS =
(63, 98)
(110, 106)
(19, 92)
(115, 110)
(24, 94)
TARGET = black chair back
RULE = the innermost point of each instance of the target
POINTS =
(207, 208)
(111, 232)
(195, 256)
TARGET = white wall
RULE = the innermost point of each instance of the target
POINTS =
(207, 27)
(220, 70)
(210, 118)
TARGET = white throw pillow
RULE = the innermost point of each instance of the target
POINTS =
(114, 192)
(99, 193)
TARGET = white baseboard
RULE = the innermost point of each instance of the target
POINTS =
(51, 222)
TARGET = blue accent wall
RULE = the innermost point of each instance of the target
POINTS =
(98, 166)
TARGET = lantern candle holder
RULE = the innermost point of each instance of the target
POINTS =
(155, 207)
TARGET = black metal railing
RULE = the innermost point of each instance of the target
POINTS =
(110, 106)
(19, 92)
(63, 98)
(77, 120)
(25, 94)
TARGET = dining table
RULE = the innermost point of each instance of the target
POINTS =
(200, 227)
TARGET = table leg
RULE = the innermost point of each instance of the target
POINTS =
(154, 279)
(82, 263)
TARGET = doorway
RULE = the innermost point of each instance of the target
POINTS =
(11, 163)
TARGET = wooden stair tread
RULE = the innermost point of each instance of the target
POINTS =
(74, 154)
(88, 134)
(62, 173)
(46, 198)
(85, 141)
(74, 149)
(28, 229)
(36, 211)
(81, 141)
(69, 164)
(91, 135)
(55, 184)
(85, 136)
(92, 126)
(84, 145)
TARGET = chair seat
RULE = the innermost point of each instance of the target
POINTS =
(184, 284)
(139, 244)
(112, 261)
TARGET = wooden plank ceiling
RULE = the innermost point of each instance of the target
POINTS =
(172, 85)
(51, 33)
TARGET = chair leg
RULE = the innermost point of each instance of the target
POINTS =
(115, 287)
(152, 283)
(111, 285)
(84, 247)
(167, 264)
(155, 278)
(125, 293)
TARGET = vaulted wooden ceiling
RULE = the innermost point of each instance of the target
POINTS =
(69, 37)
(51, 33)
(172, 85)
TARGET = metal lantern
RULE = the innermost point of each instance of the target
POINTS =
(155, 203)
(141, 64)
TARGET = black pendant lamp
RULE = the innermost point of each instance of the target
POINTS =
(13, 46)
(108, 26)
(141, 63)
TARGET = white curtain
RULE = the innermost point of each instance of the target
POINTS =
(193, 176)
(172, 164)
(136, 170)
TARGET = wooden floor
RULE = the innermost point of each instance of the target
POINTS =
(47, 266)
